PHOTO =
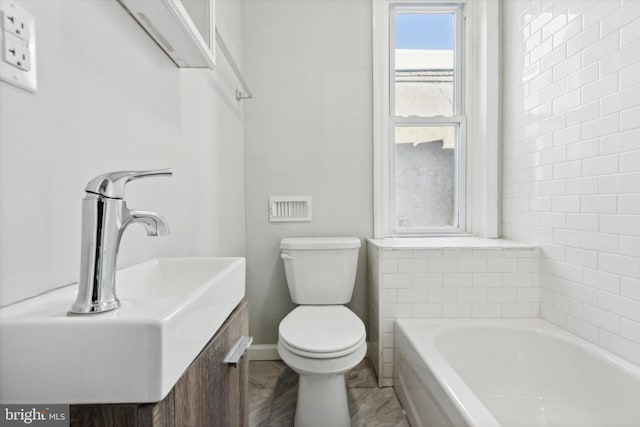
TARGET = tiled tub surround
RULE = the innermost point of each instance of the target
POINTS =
(572, 160)
(462, 277)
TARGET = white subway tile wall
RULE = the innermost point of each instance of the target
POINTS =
(446, 282)
(571, 160)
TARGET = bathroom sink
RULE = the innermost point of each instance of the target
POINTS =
(170, 309)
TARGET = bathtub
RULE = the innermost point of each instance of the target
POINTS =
(524, 372)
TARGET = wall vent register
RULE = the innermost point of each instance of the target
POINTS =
(289, 208)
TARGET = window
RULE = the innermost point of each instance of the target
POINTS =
(426, 119)
(436, 101)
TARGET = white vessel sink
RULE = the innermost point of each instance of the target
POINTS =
(170, 308)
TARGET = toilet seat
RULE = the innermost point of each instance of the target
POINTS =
(322, 332)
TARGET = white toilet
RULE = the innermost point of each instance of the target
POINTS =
(321, 339)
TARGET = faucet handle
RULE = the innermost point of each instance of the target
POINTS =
(112, 184)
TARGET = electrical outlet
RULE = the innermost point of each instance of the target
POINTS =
(16, 23)
(18, 44)
(16, 52)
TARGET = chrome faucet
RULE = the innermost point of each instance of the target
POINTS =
(105, 216)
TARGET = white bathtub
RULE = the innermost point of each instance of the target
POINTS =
(524, 372)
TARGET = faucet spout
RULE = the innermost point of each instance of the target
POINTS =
(154, 223)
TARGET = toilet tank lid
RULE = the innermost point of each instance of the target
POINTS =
(319, 243)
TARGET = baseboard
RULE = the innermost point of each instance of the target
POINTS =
(264, 352)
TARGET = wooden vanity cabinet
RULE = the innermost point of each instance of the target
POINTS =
(209, 393)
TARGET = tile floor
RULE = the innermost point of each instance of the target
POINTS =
(273, 389)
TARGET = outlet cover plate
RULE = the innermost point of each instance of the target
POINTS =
(18, 34)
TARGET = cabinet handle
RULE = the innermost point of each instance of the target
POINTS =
(237, 351)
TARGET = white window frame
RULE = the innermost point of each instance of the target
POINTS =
(480, 165)
(457, 119)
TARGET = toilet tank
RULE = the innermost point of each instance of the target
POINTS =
(320, 270)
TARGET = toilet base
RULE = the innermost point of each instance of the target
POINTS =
(322, 391)
(322, 401)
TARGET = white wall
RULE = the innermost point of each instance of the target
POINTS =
(572, 160)
(308, 132)
(109, 99)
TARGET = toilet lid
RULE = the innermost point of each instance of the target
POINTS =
(322, 329)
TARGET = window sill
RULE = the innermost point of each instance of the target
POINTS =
(446, 242)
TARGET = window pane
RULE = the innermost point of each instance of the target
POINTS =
(424, 64)
(425, 176)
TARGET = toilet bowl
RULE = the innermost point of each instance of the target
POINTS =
(321, 344)
(321, 339)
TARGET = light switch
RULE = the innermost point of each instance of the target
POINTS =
(18, 41)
